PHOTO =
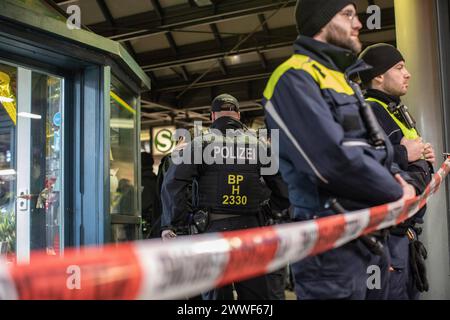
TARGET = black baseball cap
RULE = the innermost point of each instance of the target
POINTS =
(225, 102)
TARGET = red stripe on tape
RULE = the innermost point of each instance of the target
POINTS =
(330, 229)
(406, 209)
(377, 216)
(251, 253)
(95, 273)
(423, 201)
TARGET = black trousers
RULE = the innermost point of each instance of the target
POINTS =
(277, 284)
(251, 289)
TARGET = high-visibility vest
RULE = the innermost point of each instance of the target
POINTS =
(410, 134)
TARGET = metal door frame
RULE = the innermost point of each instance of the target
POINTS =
(23, 159)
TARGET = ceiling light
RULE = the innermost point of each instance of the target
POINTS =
(29, 115)
(122, 123)
(235, 59)
(7, 172)
(203, 3)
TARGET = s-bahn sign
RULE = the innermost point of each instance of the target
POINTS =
(162, 140)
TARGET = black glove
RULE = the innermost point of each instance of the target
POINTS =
(418, 255)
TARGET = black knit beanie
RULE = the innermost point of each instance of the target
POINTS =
(312, 15)
(381, 57)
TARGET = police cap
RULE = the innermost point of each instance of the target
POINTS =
(225, 102)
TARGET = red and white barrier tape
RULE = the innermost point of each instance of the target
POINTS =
(187, 266)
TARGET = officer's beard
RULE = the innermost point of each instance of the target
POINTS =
(338, 36)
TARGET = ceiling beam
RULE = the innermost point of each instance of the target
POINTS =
(263, 60)
(172, 44)
(182, 16)
(281, 37)
(208, 50)
(238, 73)
(262, 20)
(223, 67)
(106, 13)
(252, 71)
(217, 36)
(185, 73)
(158, 10)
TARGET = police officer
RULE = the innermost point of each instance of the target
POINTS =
(386, 83)
(228, 190)
(331, 146)
(179, 226)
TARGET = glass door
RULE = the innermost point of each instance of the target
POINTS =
(8, 137)
(31, 142)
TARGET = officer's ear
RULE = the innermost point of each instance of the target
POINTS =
(378, 80)
(239, 115)
(213, 116)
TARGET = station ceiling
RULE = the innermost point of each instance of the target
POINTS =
(194, 50)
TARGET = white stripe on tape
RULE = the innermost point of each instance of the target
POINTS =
(7, 287)
(182, 267)
(355, 223)
(394, 211)
(296, 242)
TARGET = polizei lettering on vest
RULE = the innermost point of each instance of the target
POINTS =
(229, 152)
(233, 147)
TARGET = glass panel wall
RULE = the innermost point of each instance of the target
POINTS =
(123, 162)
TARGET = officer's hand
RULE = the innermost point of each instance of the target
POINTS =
(415, 148)
(429, 154)
(168, 235)
(408, 190)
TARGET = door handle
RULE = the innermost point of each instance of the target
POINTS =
(27, 196)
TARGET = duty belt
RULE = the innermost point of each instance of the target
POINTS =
(219, 216)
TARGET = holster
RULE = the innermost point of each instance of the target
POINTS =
(373, 244)
(201, 219)
(372, 241)
(418, 255)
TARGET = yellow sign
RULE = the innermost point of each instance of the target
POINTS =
(162, 142)
(7, 99)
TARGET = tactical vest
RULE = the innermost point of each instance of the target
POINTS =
(410, 134)
(230, 188)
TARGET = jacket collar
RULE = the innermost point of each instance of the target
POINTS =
(327, 54)
(383, 97)
(224, 123)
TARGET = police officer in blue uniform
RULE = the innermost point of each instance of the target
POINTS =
(331, 146)
(228, 191)
(386, 83)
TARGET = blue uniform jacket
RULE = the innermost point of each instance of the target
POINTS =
(323, 140)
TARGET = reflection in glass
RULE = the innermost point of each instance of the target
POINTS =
(123, 175)
(8, 107)
(123, 232)
(45, 165)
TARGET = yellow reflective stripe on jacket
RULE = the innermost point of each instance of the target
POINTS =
(410, 134)
(323, 76)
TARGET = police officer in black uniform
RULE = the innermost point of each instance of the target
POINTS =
(228, 190)
(386, 83)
